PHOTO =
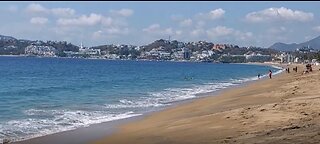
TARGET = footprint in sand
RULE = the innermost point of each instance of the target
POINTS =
(263, 110)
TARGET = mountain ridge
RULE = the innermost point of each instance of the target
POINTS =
(312, 44)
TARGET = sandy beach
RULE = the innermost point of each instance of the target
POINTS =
(284, 109)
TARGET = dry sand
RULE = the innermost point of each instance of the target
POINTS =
(285, 109)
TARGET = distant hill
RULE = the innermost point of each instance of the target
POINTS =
(6, 38)
(314, 44)
(12, 46)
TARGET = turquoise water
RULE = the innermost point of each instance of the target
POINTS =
(40, 96)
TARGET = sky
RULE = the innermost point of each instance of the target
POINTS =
(138, 23)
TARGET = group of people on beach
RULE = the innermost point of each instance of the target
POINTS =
(308, 69)
(294, 69)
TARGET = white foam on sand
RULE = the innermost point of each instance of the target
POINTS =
(56, 121)
(168, 96)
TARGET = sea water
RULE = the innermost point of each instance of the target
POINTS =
(41, 96)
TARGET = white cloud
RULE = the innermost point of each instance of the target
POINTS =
(168, 31)
(107, 21)
(277, 30)
(179, 32)
(199, 20)
(216, 14)
(200, 24)
(316, 28)
(117, 30)
(157, 30)
(273, 14)
(212, 15)
(66, 31)
(186, 22)
(38, 20)
(123, 12)
(176, 17)
(97, 35)
(36, 8)
(83, 20)
(69, 24)
(60, 12)
(111, 32)
(63, 12)
(197, 32)
(109, 26)
(243, 36)
(219, 31)
(222, 31)
(113, 22)
(151, 28)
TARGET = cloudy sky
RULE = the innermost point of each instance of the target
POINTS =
(138, 23)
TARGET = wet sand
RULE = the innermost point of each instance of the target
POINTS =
(284, 109)
(82, 135)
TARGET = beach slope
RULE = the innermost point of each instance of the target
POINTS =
(284, 109)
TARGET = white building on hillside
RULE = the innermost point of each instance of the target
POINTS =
(88, 51)
(40, 50)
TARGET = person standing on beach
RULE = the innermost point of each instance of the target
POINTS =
(295, 69)
(270, 74)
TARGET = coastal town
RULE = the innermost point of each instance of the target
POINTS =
(159, 50)
(199, 72)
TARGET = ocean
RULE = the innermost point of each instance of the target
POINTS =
(41, 96)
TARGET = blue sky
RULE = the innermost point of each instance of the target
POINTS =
(138, 23)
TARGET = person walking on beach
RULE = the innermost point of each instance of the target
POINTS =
(295, 69)
(259, 76)
(270, 74)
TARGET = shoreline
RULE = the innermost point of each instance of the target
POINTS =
(178, 61)
(151, 122)
(110, 127)
(246, 114)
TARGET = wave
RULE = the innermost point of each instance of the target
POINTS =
(276, 67)
(44, 122)
(168, 96)
(279, 71)
(56, 121)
